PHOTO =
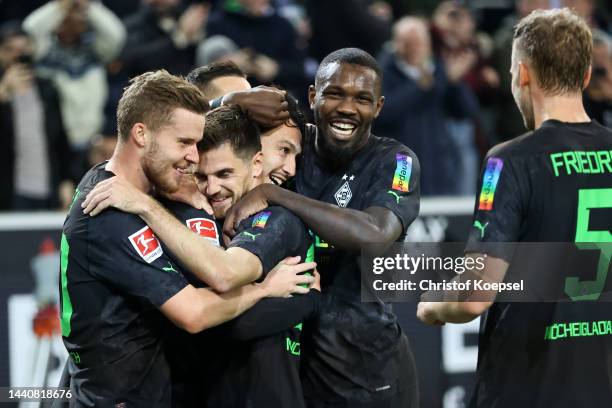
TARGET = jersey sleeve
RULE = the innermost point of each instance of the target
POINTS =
(395, 185)
(271, 316)
(199, 221)
(124, 253)
(273, 235)
(498, 211)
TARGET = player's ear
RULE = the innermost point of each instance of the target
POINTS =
(138, 134)
(257, 164)
(524, 75)
(311, 95)
(587, 77)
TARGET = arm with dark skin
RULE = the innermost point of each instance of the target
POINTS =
(263, 104)
(344, 228)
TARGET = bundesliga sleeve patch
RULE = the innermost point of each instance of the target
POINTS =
(403, 169)
(261, 219)
(205, 228)
(489, 183)
(145, 243)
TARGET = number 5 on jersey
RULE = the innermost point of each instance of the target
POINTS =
(590, 199)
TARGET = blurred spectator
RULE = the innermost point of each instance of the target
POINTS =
(337, 24)
(598, 95)
(454, 33)
(74, 39)
(163, 34)
(588, 10)
(509, 121)
(99, 149)
(269, 46)
(454, 37)
(35, 156)
(421, 93)
(218, 48)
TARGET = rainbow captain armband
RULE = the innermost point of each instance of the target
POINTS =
(489, 183)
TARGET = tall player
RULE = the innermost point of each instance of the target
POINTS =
(552, 184)
(354, 189)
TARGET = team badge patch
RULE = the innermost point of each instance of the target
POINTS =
(205, 228)
(261, 219)
(489, 183)
(343, 195)
(145, 243)
(403, 169)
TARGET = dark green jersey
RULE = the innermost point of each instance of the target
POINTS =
(357, 349)
(550, 185)
(114, 276)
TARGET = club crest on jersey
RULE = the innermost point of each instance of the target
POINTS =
(489, 183)
(145, 243)
(205, 228)
(261, 219)
(343, 195)
(403, 169)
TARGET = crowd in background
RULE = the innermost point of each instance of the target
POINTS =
(64, 63)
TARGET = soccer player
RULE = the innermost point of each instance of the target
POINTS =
(218, 79)
(260, 351)
(552, 184)
(282, 122)
(224, 83)
(354, 189)
(116, 277)
(231, 165)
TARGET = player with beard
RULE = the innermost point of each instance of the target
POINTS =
(353, 189)
(552, 184)
(236, 356)
(116, 277)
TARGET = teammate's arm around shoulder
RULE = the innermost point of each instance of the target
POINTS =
(212, 265)
(391, 204)
(195, 309)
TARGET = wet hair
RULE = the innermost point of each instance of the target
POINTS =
(229, 124)
(558, 45)
(354, 56)
(152, 97)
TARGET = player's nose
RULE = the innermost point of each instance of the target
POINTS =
(347, 107)
(289, 167)
(212, 186)
(192, 155)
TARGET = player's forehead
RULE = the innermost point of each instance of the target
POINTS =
(218, 159)
(348, 76)
(185, 124)
(287, 133)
